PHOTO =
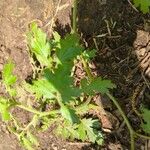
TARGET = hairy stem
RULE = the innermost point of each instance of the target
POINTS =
(29, 109)
(120, 110)
(125, 119)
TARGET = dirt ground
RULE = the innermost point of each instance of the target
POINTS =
(108, 26)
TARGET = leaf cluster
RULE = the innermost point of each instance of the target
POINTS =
(54, 86)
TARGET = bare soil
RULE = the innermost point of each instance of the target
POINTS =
(110, 27)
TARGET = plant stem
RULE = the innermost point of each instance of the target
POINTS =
(142, 136)
(38, 112)
(31, 123)
(125, 119)
(87, 69)
(75, 16)
(120, 110)
(75, 31)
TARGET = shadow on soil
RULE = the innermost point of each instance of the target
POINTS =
(111, 28)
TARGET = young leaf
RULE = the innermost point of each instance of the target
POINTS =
(4, 109)
(87, 131)
(144, 5)
(67, 130)
(82, 132)
(7, 74)
(62, 82)
(39, 45)
(97, 85)
(70, 48)
(146, 117)
(69, 114)
(9, 79)
(43, 88)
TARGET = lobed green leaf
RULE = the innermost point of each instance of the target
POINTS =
(39, 45)
(143, 4)
(69, 48)
(62, 82)
(67, 130)
(88, 131)
(96, 86)
(69, 114)
(43, 88)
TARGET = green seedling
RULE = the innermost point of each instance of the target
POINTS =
(53, 86)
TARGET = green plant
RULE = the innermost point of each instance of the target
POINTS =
(143, 4)
(53, 86)
(133, 134)
(146, 118)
